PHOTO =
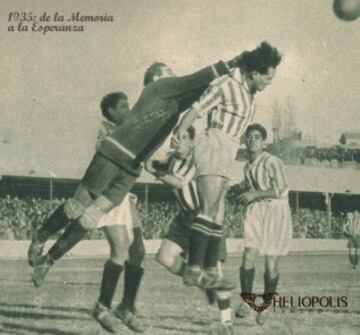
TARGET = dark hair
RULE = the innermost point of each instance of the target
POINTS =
(337, 7)
(258, 127)
(151, 72)
(260, 59)
(191, 131)
(109, 101)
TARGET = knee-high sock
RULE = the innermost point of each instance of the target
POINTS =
(212, 252)
(200, 236)
(109, 281)
(224, 305)
(133, 275)
(247, 280)
(57, 220)
(270, 284)
(72, 235)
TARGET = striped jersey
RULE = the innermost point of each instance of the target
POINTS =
(352, 225)
(184, 169)
(265, 173)
(228, 104)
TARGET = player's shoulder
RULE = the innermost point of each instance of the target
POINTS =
(271, 159)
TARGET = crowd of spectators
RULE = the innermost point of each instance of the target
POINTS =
(18, 218)
(333, 157)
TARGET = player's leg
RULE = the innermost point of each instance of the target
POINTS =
(356, 244)
(356, 257)
(204, 229)
(169, 256)
(126, 309)
(247, 276)
(350, 246)
(56, 221)
(217, 211)
(119, 242)
(223, 298)
(271, 279)
(103, 187)
(175, 244)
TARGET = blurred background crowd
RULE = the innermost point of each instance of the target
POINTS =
(18, 218)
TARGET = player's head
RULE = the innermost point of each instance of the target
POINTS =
(255, 137)
(185, 143)
(347, 10)
(157, 71)
(115, 107)
(259, 65)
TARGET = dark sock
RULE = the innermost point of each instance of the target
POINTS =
(110, 278)
(57, 220)
(212, 252)
(73, 234)
(247, 280)
(211, 296)
(223, 300)
(270, 283)
(200, 234)
(133, 275)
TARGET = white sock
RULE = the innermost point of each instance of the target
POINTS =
(225, 315)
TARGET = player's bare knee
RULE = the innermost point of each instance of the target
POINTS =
(118, 255)
(164, 258)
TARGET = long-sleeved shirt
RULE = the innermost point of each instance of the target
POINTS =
(228, 104)
(265, 173)
(154, 116)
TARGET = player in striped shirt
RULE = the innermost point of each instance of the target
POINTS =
(178, 171)
(267, 220)
(229, 106)
(352, 232)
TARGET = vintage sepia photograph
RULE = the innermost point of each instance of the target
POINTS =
(180, 167)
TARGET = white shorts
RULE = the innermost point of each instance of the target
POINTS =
(123, 215)
(268, 227)
(215, 153)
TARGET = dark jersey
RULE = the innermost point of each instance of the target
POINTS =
(154, 116)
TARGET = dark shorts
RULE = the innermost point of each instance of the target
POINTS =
(179, 233)
(354, 242)
(103, 177)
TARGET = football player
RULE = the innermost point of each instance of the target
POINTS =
(178, 171)
(267, 221)
(352, 232)
(119, 160)
(229, 106)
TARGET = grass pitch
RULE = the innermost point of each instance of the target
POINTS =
(63, 305)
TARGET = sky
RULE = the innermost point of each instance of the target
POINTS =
(51, 84)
